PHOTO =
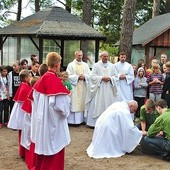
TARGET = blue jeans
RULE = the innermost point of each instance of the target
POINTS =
(155, 145)
(154, 97)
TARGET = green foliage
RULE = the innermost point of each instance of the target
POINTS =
(107, 15)
(5, 6)
(162, 7)
(107, 18)
(43, 4)
(143, 12)
(112, 50)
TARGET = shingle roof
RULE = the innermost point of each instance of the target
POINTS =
(151, 29)
(52, 22)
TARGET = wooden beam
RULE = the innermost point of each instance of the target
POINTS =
(96, 50)
(57, 43)
(62, 53)
(40, 49)
(3, 41)
(147, 59)
(37, 47)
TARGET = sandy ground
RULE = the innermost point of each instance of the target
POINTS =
(76, 157)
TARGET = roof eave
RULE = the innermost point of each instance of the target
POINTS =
(157, 35)
(64, 37)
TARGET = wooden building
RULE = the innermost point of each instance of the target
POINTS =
(152, 39)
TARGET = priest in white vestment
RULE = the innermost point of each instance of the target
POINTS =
(115, 133)
(78, 72)
(103, 89)
(125, 74)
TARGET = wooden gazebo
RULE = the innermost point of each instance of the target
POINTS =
(53, 23)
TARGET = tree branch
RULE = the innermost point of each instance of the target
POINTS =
(61, 2)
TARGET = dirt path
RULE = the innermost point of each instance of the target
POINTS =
(76, 157)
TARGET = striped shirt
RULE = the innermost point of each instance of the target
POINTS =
(156, 87)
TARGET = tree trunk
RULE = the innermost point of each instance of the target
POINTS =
(18, 38)
(68, 5)
(167, 6)
(37, 5)
(126, 36)
(156, 7)
(19, 10)
(87, 15)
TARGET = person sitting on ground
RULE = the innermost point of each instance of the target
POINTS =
(157, 141)
(115, 133)
(148, 114)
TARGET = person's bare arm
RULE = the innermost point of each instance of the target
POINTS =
(143, 127)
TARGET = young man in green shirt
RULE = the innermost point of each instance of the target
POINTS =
(148, 114)
(157, 141)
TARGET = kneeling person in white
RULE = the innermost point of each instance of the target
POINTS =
(115, 132)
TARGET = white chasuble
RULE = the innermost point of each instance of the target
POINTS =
(126, 87)
(115, 133)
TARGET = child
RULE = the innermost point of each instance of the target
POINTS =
(155, 81)
(65, 80)
(17, 114)
(26, 134)
(29, 119)
(4, 96)
(13, 82)
(24, 64)
(140, 88)
(50, 107)
(34, 69)
(43, 69)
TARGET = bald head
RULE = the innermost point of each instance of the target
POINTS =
(133, 105)
(104, 56)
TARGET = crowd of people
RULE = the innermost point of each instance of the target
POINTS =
(40, 101)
